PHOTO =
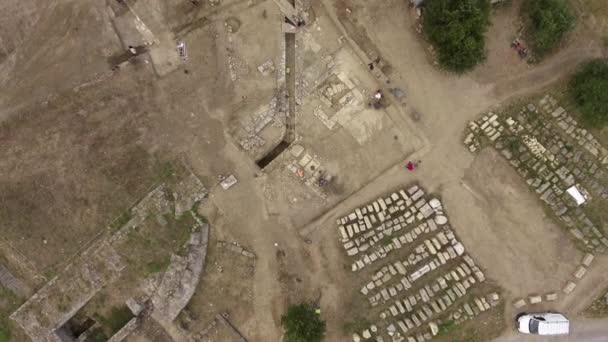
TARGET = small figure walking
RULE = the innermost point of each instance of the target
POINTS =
(410, 166)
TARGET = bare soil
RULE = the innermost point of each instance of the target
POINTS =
(71, 166)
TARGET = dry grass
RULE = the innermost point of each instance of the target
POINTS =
(485, 327)
(598, 11)
(599, 307)
(69, 168)
(226, 286)
(8, 303)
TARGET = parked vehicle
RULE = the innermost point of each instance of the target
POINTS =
(546, 323)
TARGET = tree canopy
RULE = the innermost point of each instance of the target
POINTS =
(302, 324)
(589, 89)
(457, 29)
(548, 21)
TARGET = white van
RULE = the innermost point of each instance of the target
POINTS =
(543, 324)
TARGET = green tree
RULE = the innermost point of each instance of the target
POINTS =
(457, 29)
(302, 324)
(547, 23)
(589, 89)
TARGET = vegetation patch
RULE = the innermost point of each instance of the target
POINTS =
(599, 308)
(8, 303)
(4, 334)
(589, 89)
(97, 335)
(302, 324)
(156, 266)
(357, 324)
(121, 220)
(457, 29)
(446, 328)
(547, 22)
(118, 318)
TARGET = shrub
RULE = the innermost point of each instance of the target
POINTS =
(548, 21)
(457, 28)
(302, 324)
(589, 89)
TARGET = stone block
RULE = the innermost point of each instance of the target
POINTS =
(402, 326)
(569, 287)
(580, 272)
(434, 328)
(550, 297)
(459, 248)
(587, 259)
(479, 304)
(519, 303)
(535, 299)
(468, 309)
(366, 334)
(577, 233)
(352, 251)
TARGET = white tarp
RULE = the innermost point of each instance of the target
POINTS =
(576, 194)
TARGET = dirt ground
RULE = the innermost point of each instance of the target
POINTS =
(79, 159)
(70, 167)
(511, 230)
(226, 285)
(447, 166)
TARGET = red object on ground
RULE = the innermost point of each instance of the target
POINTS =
(410, 166)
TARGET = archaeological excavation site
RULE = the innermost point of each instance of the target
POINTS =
(303, 170)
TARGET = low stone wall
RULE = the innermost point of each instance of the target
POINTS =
(8, 280)
(181, 278)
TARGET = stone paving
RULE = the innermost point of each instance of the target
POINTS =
(416, 273)
(554, 155)
(181, 277)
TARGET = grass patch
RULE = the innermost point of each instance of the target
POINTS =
(5, 334)
(596, 212)
(513, 144)
(183, 223)
(357, 324)
(119, 316)
(156, 267)
(446, 328)
(149, 246)
(97, 335)
(121, 220)
(169, 172)
(599, 307)
(8, 303)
